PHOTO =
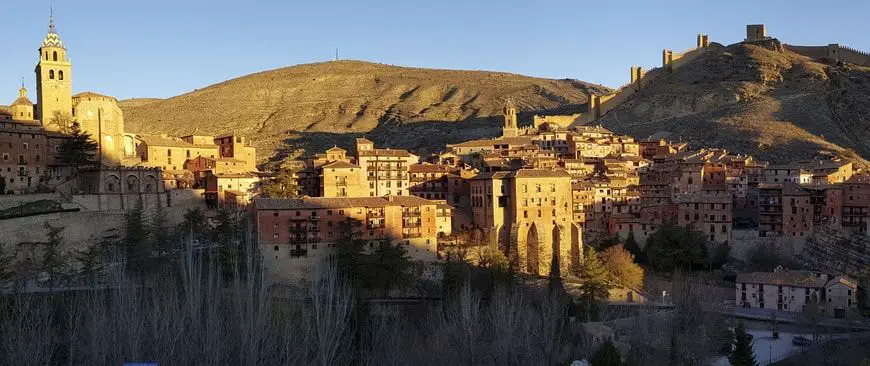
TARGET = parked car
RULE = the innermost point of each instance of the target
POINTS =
(800, 341)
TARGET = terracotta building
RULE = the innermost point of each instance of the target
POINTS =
(294, 235)
(856, 204)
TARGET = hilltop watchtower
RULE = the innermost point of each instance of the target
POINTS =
(756, 32)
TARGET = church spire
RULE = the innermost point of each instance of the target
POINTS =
(52, 39)
(51, 22)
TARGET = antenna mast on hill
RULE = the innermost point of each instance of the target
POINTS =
(336, 54)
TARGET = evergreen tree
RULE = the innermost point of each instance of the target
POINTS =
(52, 261)
(596, 283)
(282, 185)
(194, 226)
(742, 353)
(389, 267)
(160, 235)
(91, 260)
(79, 148)
(135, 241)
(632, 246)
(673, 247)
(606, 355)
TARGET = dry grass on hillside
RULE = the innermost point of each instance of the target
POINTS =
(331, 102)
(776, 106)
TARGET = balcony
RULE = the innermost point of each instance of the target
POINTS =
(411, 213)
(411, 223)
(341, 183)
(375, 214)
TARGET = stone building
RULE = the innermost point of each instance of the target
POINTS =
(385, 170)
(528, 213)
(53, 79)
(342, 179)
(296, 235)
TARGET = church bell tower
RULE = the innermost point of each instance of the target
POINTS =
(53, 79)
(510, 120)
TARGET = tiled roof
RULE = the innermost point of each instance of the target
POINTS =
(783, 278)
(429, 168)
(233, 175)
(156, 140)
(540, 173)
(91, 95)
(335, 149)
(338, 202)
(385, 152)
(340, 165)
(519, 140)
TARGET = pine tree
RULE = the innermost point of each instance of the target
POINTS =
(606, 355)
(282, 185)
(52, 262)
(135, 241)
(91, 260)
(194, 225)
(596, 283)
(79, 148)
(160, 235)
(742, 353)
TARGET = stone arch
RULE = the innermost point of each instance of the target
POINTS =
(576, 245)
(113, 184)
(132, 182)
(532, 250)
(150, 184)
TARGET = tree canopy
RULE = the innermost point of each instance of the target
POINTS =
(282, 185)
(742, 353)
(79, 148)
(623, 270)
(674, 246)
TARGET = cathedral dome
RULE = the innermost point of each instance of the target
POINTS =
(22, 98)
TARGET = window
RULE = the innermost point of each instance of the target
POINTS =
(51, 74)
(60, 75)
(54, 56)
(276, 247)
(275, 213)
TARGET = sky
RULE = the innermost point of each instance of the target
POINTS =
(162, 48)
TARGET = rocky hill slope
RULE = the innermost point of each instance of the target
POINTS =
(314, 106)
(778, 106)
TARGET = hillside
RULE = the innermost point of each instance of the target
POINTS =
(778, 106)
(314, 106)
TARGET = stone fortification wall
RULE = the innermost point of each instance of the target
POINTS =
(833, 52)
(81, 229)
(598, 106)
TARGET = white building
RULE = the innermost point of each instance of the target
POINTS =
(791, 290)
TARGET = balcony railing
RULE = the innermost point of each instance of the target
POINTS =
(411, 213)
(375, 214)
(294, 253)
